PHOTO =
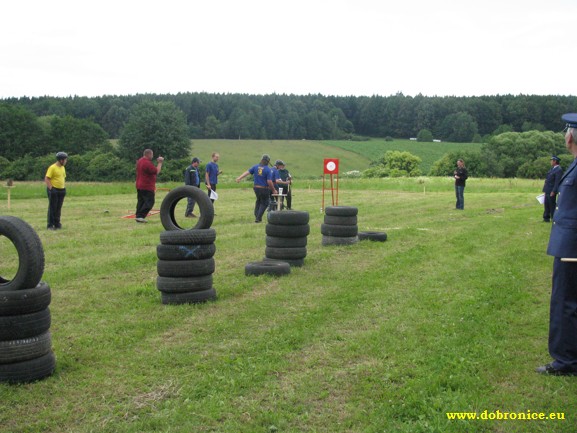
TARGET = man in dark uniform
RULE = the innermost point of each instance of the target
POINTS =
(551, 188)
(263, 186)
(563, 246)
(284, 182)
(191, 177)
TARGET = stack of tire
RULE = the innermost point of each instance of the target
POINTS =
(25, 341)
(186, 256)
(286, 236)
(340, 226)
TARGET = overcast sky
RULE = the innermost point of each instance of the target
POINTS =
(331, 47)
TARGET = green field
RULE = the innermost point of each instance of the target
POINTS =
(305, 158)
(449, 315)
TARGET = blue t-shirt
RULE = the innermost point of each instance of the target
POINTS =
(261, 174)
(275, 175)
(212, 170)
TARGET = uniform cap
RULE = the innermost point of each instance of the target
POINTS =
(265, 157)
(195, 159)
(554, 158)
(279, 162)
(570, 119)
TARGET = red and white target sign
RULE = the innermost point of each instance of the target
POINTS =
(331, 166)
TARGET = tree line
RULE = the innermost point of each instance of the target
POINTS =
(32, 129)
(318, 117)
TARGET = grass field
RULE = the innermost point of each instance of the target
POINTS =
(305, 158)
(449, 315)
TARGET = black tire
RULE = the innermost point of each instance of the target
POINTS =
(28, 348)
(30, 370)
(342, 231)
(339, 240)
(285, 253)
(185, 268)
(25, 301)
(280, 231)
(341, 211)
(188, 237)
(341, 220)
(273, 241)
(188, 297)
(174, 196)
(288, 218)
(292, 262)
(181, 285)
(22, 326)
(372, 236)
(30, 254)
(185, 252)
(273, 267)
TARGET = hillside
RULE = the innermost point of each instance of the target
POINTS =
(305, 158)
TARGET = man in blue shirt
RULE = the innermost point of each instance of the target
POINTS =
(191, 177)
(263, 186)
(212, 173)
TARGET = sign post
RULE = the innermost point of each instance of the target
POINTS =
(331, 167)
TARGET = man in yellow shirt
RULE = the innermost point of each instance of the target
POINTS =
(55, 184)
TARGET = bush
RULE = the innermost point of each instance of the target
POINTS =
(425, 135)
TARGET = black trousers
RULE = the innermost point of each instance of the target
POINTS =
(145, 202)
(55, 201)
(261, 203)
(213, 189)
(549, 206)
(563, 316)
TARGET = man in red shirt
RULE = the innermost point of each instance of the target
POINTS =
(146, 184)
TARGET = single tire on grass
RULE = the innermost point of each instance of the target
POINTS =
(184, 284)
(342, 231)
(341, 211)
(273, 241)
(30, 254)
(22, 326)
(188, 237)
(188, 297)
(27, 348)
(372, 236)
(169, 203)
(185, 252)
(25, 301)
(293, 231)
(285, 253)
(289, 217)
(273, 267)
(339, 240)
(30, 370)
(185, 268)
(341, 220)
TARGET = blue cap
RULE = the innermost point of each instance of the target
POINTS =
(570, 119)
(554, 158)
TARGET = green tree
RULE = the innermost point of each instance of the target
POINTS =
(20, 133)
(447, 164)
(159, 126)
(395, 164)
(76, 135)
(425, 135)
(459, 127)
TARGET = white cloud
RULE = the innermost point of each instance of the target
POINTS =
(342, 47)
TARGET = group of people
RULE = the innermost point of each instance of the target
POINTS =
(267, 184)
